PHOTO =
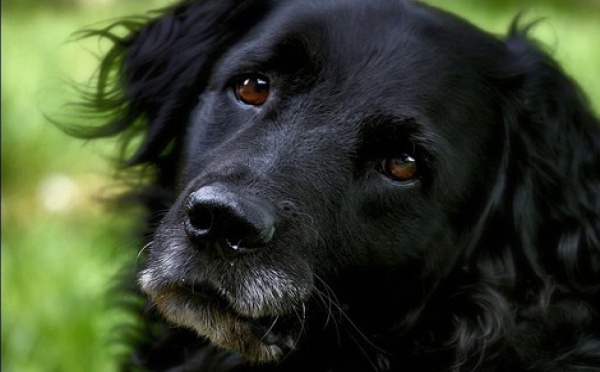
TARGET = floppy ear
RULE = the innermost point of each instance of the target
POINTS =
(151, 78)
(540, 229)
(553, 172)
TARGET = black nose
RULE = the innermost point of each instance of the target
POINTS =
(220, 218)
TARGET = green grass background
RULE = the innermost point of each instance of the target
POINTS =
(60, 247)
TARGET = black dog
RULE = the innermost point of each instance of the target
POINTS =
(350, 185)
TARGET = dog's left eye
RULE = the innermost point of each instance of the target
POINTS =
(252, 90)
(401, 168)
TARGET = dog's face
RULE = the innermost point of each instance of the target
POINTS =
(328, 167)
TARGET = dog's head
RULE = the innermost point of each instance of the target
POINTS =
(345, 157)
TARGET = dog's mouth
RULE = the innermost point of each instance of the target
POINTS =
(268, 329)
(206, 309)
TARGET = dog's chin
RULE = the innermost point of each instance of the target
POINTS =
(259, 338)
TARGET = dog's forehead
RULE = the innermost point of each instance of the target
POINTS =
(378, 39)
(352, 32)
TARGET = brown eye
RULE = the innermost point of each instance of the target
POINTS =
(252, 90)
(402, 168)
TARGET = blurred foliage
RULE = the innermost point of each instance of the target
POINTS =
(61, 248)
(54, 4)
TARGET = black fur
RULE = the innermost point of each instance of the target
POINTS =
(277, 232)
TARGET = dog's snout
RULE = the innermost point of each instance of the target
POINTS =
(218, 217)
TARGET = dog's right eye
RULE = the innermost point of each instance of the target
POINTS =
(252, 90)
(401, 168)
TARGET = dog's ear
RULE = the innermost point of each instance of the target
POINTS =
(552, 176)
(151, 78)
(540, 229)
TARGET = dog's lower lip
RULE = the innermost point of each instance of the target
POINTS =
(270, 330)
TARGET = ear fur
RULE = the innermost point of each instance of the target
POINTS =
(554, 155)
(538, 240)
(150, 79)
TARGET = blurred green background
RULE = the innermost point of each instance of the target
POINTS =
(61, 248)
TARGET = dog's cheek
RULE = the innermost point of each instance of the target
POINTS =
(388, 233)
(382, 225)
